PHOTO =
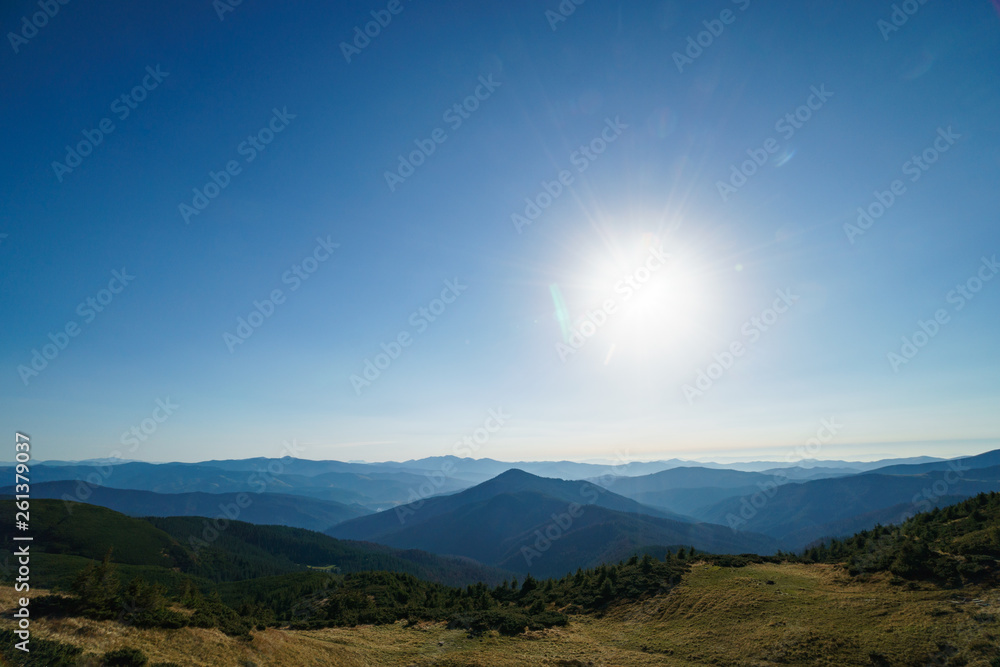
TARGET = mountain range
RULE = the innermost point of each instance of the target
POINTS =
(547, 527)
(578, 515)
(264, 508)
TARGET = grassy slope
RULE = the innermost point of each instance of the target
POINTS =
(811, 615)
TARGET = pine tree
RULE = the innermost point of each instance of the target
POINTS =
(529, 585)
(647, 564)
(97, 587)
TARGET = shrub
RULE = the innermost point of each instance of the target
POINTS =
(508, 621)
(878, 660)
(44, 653)
(548, 619)
(125, 657)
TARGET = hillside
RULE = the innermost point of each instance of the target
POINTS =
(756, 616)
(262, 508)
(696, 502)
(522, 523)
(382, 524)
(956, 545)
(178, 546)
(857, 523)
(798, 514)
(916, 594)
(685, 478)
(985, 460)
(690, 490)
(89, 531)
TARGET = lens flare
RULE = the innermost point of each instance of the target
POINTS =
(561, 311)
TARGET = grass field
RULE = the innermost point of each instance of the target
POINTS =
(759, 615)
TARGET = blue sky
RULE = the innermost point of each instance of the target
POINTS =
(670, 134)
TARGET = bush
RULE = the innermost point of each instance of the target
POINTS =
(125, 657)
(214, 614)
(878, 660)
(44, 653)
(54, 606)
(548, 619)
(508, 621)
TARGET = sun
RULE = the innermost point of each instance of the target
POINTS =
(667, 310)
(670, 300)
(648, 301)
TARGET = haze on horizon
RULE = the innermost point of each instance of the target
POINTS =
(605, 250)
(797, 456)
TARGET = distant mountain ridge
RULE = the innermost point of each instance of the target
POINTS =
(264, 508)
(488, 468)
(374, 490)
(544, 526)
(984, 460)
(788, 507)
(799, 513)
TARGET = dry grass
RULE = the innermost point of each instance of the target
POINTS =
(810, 615)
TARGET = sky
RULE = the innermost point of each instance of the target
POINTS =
(517, 230)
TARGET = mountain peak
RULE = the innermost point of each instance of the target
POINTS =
(516, 473)
(514, 479)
